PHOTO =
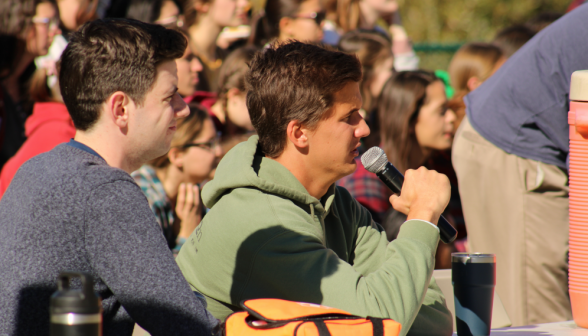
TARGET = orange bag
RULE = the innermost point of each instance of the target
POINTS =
(275, 317)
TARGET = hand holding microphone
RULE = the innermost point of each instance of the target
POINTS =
(424, 195)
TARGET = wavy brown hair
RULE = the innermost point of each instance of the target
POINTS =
(401, 99)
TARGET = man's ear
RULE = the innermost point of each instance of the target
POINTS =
(176, 157)
(118, 105)
(297, 134)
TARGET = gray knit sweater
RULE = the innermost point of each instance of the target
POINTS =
(68, 210)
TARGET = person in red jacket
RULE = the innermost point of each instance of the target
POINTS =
(48, 126)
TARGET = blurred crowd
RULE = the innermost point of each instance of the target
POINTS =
(413, 113)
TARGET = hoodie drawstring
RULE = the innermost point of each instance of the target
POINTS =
(322, 222)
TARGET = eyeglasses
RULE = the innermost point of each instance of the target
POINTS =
(51, 23)
(317, 17)
(211, 145)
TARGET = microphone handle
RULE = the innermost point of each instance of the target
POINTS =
(394, 179)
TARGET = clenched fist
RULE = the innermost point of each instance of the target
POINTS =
(424, 195)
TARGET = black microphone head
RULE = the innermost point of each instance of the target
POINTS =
(374, 160)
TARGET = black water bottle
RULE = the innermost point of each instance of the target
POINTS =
(75, 312)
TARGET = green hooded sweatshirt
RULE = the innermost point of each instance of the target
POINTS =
(265, 236)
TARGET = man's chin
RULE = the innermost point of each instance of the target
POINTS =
(350, 168)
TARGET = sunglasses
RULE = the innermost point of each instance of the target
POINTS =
(209, 145)
(317, 17)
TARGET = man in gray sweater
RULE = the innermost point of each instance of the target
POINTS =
(77, 208)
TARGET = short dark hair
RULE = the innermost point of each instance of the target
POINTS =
(105, 56)
(294, 81)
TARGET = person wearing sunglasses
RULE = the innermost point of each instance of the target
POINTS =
(171, 182)
(284, 20)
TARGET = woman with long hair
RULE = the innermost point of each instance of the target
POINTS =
(27, 28)
(414, 118)
(231, 108)
(416, 129)
(171, 182)
(373, 49)
(204, 20)
(348, 15)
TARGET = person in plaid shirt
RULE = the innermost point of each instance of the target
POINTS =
(368, 190)
(170, 182)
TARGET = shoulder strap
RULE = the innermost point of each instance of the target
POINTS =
(377, 325)
(322, 328)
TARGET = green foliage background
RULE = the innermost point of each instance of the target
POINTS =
(451, 21)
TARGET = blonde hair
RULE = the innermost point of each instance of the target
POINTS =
(472, 60)
(348, 14)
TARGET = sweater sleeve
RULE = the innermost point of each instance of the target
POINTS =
(127, 251)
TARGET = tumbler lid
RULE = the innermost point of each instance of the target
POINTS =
(473, 258)
(579, 86)
(78, 301)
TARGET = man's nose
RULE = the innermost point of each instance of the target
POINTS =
(362, 129)
(196, 65)
(181, 109)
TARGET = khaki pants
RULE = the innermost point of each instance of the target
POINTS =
(518, 209)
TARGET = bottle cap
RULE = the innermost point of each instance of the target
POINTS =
(579, 86)
(473, 258)
(77, 301)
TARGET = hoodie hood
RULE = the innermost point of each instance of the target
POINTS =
(245, 166)
(46, 112)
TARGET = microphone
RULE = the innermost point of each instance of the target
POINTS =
(375, 161)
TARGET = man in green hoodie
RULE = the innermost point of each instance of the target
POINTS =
(279, 227)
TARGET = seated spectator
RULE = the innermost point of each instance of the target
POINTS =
(512, 38)
(164, 12)
(171, 182)
(77, 208)
(279, 227)
(204, 20)
(471, 65)
(189, 69)
(48, 126)
(27, 28)
(284, 20)
(355, 14)
(74, 13)
(230, 110)
(373, 49)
